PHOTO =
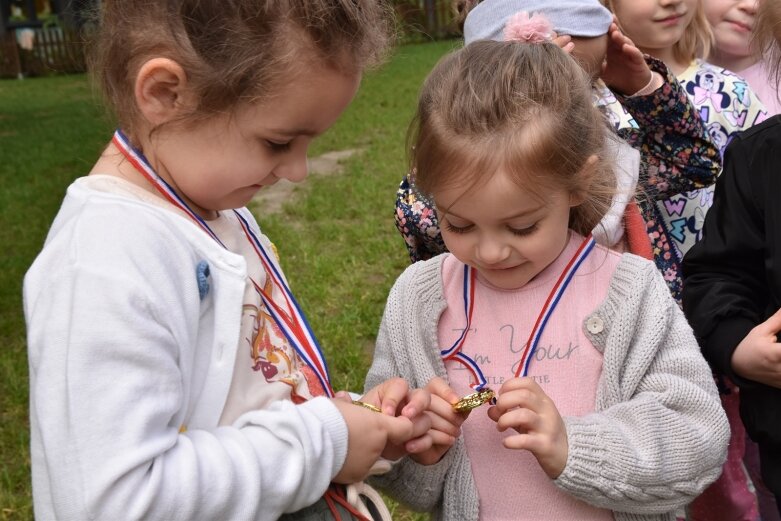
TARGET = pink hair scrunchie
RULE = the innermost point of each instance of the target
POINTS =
(530, 29)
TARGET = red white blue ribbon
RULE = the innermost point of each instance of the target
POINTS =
(552, 301)
(455, 353)
(291, 321)
(137, 159)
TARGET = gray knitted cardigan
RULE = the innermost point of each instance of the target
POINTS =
(657, 439)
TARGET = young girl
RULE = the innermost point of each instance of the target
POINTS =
(172, 374)
(615, 414)
(733, 22)
(732, 283)
(732, 288)
(655, 117)
(677, 31)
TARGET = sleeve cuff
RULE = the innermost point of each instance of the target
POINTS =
(334, 424)
(720, 345)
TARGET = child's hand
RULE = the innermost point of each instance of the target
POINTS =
(370, 433)
(625, 70)
(445, 425)
(564, 41)
(394, 398)
(523, 405)
(758, 356)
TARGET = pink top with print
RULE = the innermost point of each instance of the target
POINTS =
(510, 483)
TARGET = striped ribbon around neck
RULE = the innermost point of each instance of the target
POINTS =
(290, 318)
(455, 352)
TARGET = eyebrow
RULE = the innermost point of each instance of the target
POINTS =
(509, 218)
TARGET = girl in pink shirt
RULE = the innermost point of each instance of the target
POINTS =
(604, 407)
(733, 22)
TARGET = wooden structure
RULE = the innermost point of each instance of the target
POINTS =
(426, 19)
(32, 46)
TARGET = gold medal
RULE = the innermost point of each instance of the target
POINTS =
(473, 401)
(366, 405)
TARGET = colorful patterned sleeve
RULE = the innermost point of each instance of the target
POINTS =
(672, 138)
(417, 222)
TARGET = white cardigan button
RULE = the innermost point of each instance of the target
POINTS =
(595, 325)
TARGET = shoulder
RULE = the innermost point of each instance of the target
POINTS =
(99, 230)
(756, 152)
(763, 135)
(637, 287)
(421, 279)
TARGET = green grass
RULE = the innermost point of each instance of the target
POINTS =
(336, 236)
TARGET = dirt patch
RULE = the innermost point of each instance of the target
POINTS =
(271, 199)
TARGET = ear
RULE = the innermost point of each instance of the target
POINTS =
(584, 179)
(160, 90)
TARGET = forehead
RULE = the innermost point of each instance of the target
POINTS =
(307, 104)
(495, 196)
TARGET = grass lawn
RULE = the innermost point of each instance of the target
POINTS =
(336, 237)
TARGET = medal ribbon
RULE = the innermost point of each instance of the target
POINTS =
(470, 274)
(292, 321)
(454, 352)
(550, 304)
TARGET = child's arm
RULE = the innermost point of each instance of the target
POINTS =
(676, 148)
(726, 292)
(116, 376)
(659, 435)
(417, 222)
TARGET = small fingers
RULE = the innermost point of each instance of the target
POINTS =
(391, 393)
(522, 420)
(343, 396)
(439, 387)
(444, 410)
(520, 392)
(519, 442)
(446, 425)
(399, 429)
(564, 41)
(418, 401)
(420, 444)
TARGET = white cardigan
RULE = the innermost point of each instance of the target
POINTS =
(124, 355)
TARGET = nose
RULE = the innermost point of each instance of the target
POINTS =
(491, 250)
(749, 6)
(293, 166)
(667, 3)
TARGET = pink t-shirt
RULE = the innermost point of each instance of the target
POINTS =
(766, 89)
(510, 483)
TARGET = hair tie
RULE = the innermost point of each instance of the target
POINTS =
(529, 29)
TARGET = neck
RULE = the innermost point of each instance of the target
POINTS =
(731, 62)
(113, 162)
(667, 55)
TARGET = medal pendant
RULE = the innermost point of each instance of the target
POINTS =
(473, 401)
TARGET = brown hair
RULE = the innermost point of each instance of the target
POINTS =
(241, 50)
(697, 39)
(767, 36)
(525, 108)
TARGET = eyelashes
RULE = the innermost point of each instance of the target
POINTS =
(278, 147)
(522, 232)
(458, 229)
